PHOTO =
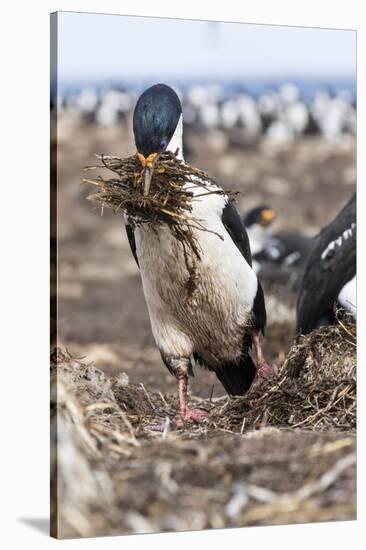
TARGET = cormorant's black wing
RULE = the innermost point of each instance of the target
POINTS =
(259, 314)
(235, 227)
(330, 266)
(131, 239)
(231, 219)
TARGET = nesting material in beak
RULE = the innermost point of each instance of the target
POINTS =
(148, 164)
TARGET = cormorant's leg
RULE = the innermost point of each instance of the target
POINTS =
(264, 370)
(184, 413)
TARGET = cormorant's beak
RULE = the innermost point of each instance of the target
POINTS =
(147, 180)
(148, 165)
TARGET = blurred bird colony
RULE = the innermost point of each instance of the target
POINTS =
(228, 76)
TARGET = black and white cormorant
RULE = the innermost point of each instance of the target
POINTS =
(330, 274)
(219, 326)
(258, 225)
(288, 249)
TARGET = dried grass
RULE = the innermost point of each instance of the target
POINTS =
(170, 198)
(283, 453)
(315, 389)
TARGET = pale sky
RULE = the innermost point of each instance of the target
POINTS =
(97, 47)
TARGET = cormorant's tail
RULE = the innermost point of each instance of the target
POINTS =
(237, 377)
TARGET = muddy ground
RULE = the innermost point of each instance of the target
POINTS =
(102, 317)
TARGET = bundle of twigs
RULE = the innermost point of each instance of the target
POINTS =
(169, 200)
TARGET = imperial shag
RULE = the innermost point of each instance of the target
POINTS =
(258, 224)
(287, 249)
(330, 274)
(218, 328)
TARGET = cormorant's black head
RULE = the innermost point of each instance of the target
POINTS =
(155, 119)
(261, 215)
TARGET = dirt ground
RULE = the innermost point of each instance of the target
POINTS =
(283, 453)
(102, 317)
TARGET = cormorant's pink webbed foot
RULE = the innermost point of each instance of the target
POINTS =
(264, 369)
(184, 413)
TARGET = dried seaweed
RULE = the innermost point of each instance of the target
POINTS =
(170, 198)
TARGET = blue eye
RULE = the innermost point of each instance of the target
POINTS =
(163, 144)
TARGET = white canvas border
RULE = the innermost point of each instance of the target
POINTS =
(24, 359)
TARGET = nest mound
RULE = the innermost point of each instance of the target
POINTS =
(169, 200)
(315, 388)
(230, 471)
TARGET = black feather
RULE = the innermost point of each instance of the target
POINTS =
(327, 273)
(131, 239)
(237, 378)
(155, 118)
(231, 219)
(259, 315)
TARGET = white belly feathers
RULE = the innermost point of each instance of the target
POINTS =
(347, 296)
(210, 319)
